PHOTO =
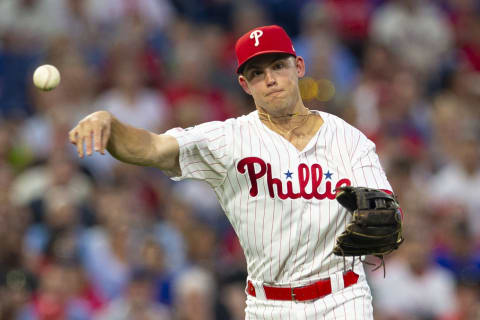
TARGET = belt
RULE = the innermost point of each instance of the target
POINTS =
(312, 291)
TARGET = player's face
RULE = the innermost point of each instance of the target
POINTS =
(272, 80)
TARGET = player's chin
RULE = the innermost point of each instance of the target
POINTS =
(275, 107)
(277, 101)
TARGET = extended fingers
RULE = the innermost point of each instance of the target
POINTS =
(105, 136)
(97, 139)
(72, 136)
(81, 134)
(76, 138)
(88, 132)
(94, 131)
(80, 146)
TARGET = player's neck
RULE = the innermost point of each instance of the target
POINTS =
(288, 124)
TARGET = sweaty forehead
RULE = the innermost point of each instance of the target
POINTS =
(264, 60)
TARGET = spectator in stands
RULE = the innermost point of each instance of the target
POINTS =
(194, 295)
(137, 302)
(414, 287)
(416, 31)
(108, 247)
(55, 298)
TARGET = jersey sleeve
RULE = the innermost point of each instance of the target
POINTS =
(203, 153)
(367, 170)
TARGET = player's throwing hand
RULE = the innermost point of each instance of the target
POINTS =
(96, 127)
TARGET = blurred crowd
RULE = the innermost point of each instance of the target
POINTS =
(97, 239)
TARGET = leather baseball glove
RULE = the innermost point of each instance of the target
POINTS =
(376, 227)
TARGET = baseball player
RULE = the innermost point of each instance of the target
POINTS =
(276, 173)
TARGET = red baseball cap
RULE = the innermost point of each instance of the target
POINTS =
(267, 39)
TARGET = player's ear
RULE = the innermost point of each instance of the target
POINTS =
(300, 65)
(244, 84)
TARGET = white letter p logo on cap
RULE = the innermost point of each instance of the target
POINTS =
(256, 34)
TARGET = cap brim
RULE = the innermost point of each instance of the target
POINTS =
(240, 67)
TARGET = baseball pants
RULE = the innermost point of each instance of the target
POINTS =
(351, 303)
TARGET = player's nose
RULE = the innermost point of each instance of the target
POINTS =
(270, 77)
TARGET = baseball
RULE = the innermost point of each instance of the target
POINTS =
(46, 77)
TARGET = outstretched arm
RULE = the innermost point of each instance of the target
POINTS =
(101, 130)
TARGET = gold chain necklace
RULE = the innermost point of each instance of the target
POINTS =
(267, 117)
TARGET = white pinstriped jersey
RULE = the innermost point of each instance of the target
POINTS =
(281, 201)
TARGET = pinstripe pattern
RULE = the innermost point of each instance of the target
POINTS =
(287, 234)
